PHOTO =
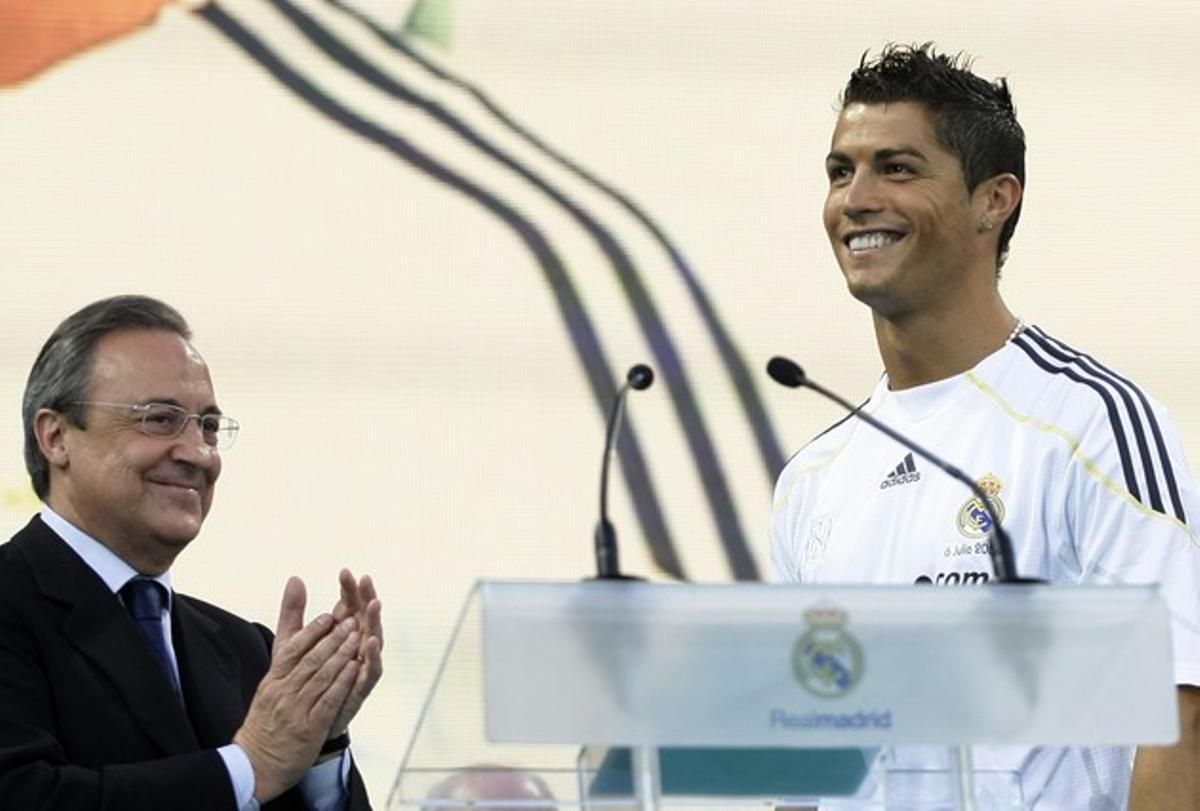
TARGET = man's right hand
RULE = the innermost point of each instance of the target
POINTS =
(313, 668)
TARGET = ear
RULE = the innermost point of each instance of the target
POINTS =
(996, 198)
(50, 429)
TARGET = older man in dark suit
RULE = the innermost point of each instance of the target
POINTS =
(115, 692)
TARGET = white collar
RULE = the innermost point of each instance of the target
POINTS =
(100, 559)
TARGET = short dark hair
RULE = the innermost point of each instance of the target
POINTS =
(972, 117)
(62, 373)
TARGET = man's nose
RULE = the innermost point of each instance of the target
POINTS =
(192, 446)
(861, 195)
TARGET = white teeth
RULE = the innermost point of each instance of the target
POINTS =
(875, 239)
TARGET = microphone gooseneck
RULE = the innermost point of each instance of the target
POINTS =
(788, 373)
(608, 566)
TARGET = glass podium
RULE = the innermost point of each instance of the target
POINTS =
(628, 695)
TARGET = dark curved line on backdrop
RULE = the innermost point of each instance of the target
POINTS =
(583, 336)
(760, 421)
(721, 504)
(747, 391)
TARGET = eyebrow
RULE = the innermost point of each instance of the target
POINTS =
(212, 409)
(880, 155)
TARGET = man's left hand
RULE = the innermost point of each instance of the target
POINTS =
(359, 600)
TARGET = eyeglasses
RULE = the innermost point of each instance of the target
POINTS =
(167, 421)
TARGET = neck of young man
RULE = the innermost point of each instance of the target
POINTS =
(938, 342)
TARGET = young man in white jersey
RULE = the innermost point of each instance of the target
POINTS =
(926, 172)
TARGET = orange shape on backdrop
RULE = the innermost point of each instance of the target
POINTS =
(35, 34)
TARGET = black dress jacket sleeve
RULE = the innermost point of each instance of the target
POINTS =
(88, 719)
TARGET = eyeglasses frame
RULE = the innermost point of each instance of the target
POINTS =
(227, 426)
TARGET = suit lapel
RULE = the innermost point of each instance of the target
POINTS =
(97, 625)
(210, 672)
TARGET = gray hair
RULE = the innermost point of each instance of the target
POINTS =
(62, 373)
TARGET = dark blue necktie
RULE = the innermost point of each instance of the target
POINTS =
(145, 600)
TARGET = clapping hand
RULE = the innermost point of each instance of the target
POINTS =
(315, 670)
(359, 601)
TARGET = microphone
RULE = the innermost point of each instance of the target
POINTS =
(788, 373)
(639, 377)
(608, 567)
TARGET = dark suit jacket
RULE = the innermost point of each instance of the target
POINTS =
(88, 719)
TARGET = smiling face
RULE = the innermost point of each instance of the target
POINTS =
(898, 214)
(144, 497)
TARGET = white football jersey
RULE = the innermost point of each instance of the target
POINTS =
(1086, 473)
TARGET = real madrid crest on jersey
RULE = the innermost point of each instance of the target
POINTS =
(827, 660)
(973, 519)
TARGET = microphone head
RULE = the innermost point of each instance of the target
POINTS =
(640, 376)
(786, 372)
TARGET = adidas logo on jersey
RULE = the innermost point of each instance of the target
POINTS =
(905, 473)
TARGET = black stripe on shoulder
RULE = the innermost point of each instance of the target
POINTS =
(1024, 342)
(1127, 387)
(1051, 348)
(1041, 347)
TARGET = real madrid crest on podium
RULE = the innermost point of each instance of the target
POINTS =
(827, 660)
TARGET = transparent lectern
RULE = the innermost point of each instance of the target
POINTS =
(627, 695)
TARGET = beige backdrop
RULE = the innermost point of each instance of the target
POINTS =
(410, 403)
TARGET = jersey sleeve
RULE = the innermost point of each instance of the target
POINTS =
(785, 554)
(1142, 528)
